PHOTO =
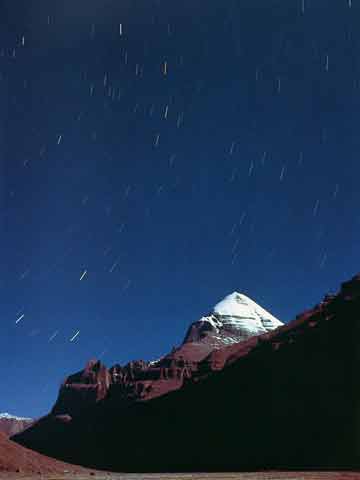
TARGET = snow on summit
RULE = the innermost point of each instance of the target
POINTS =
(239, 311)
(234, 319)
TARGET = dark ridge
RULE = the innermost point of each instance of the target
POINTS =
(286, 400)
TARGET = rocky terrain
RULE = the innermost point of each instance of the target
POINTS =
(17, 461)
(287, 398)
(265, 475)
(10, 424)
(235, 319)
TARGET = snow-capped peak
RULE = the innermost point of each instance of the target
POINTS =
(7, 416)
(233, 319)
(239, 308)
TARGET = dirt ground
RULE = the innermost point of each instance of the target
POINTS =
(191, 476)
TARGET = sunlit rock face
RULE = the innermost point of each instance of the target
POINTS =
(134, 382)
(82, 389)
(235, 319)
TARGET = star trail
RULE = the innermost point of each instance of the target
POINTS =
(156, 156)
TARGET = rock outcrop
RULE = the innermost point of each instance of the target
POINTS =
(235, 319)
(286, 399)
(83, 389)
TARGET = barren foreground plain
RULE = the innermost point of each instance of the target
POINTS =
(188, 476)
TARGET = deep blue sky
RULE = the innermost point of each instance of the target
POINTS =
(213, 146)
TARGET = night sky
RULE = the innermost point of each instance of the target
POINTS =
(157, 155)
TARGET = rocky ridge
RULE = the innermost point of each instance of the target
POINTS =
(235, 319)
(286, 399)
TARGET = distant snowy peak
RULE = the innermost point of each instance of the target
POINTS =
(7, 416)
(11, 424)
(236, 318)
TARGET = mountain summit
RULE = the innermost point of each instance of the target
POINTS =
(296, 386)
(234, 319)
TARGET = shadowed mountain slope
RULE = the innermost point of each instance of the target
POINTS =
(287, 399)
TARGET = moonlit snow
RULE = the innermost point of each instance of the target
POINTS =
(234, 319)
(237, 311)
(7, 416)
